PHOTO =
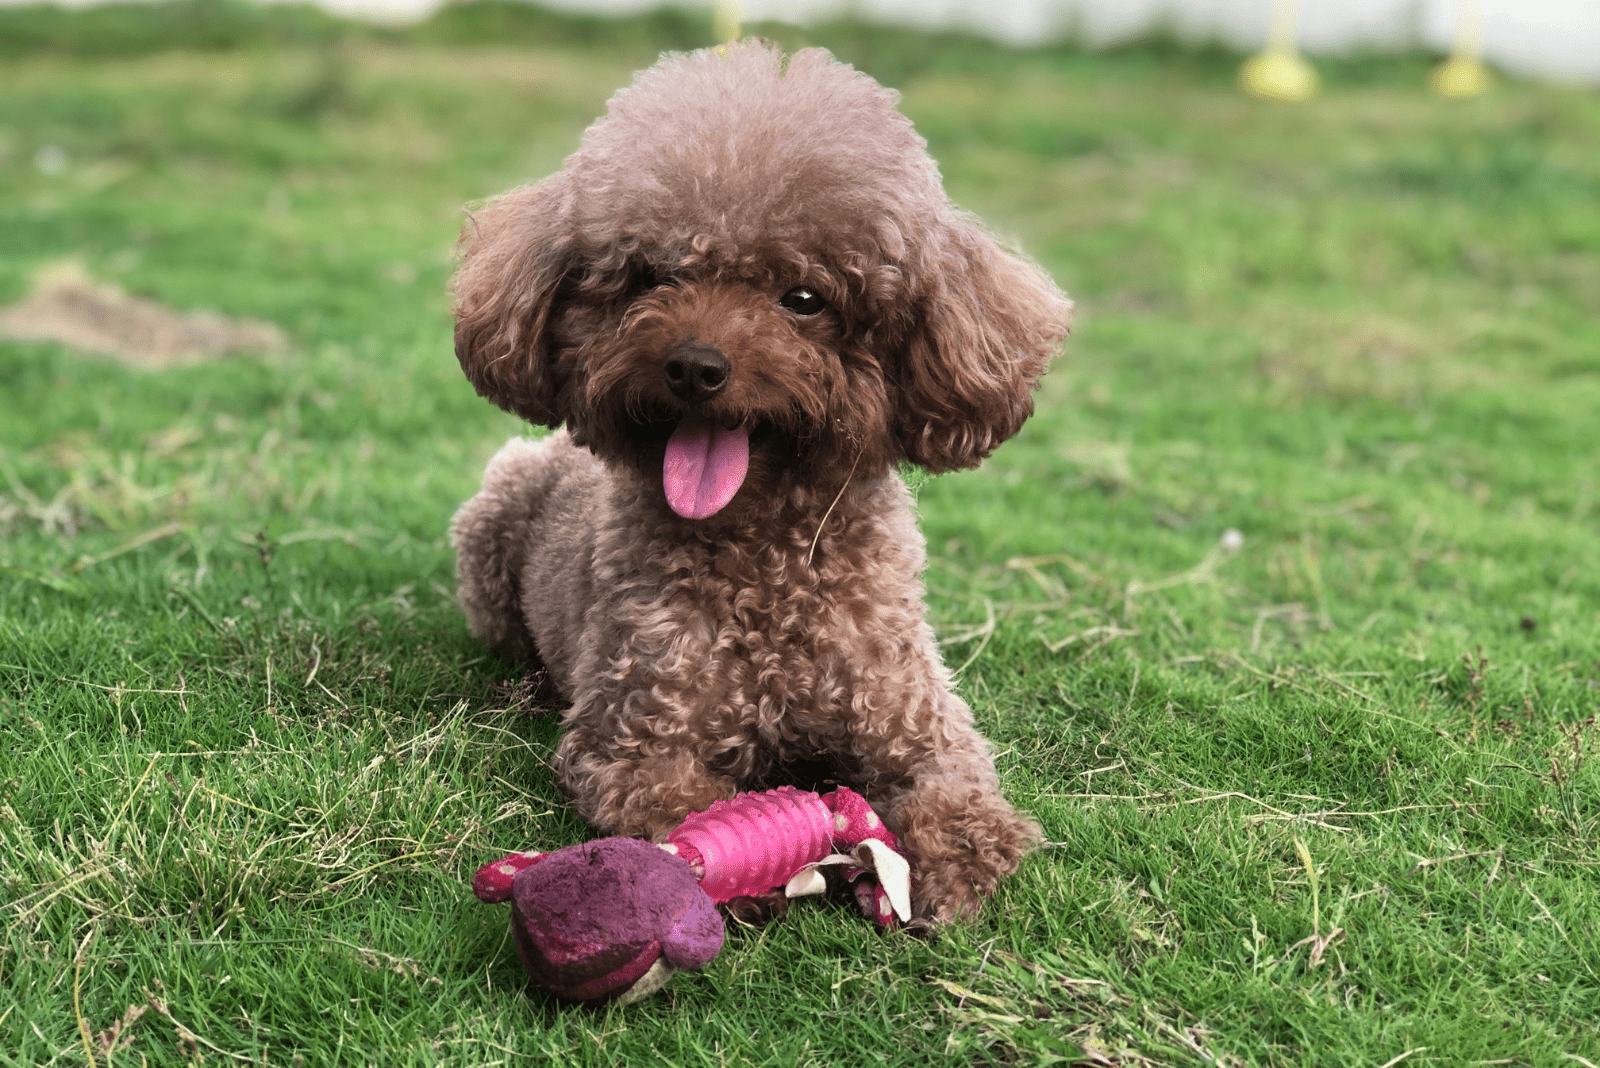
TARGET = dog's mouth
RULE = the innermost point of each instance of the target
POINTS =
(705, 457)
(704, 466)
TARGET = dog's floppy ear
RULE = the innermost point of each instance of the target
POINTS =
(516, 253)
(986, 324)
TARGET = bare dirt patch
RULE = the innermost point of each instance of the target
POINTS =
(72, 309)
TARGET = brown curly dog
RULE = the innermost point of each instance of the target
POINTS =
(747, 298)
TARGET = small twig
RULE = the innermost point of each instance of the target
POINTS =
(166, 530)
(349, 537)
(241, 804)
(383, 863)
(1399, 808)
(837, 497)
(1234, 793)
(93, 868)
(123, 689)
(1262, 817)
(333, 695)
(1281, 813)
(1392, 1061)
(399, 965)
(987, 631)
(1350, 689)
(1082, 570)
(1120, 765)
(1204, 571)
(967, 634)
(1429, 862)
(1105, 634)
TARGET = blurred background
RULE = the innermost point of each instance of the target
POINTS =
(1550, 38)
(1554, 38)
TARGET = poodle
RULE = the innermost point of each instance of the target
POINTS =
(746, 298)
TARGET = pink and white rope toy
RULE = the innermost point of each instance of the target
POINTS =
(615, 917)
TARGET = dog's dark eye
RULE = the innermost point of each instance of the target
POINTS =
(802, 301)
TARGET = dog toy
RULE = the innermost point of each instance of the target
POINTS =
(615, 917)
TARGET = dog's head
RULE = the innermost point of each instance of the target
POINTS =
(748, 277)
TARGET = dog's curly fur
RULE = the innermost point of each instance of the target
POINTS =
(702, 657)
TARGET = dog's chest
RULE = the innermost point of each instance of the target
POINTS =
(772, 642)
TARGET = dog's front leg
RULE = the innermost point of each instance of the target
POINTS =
(641, 781)
(962, 837)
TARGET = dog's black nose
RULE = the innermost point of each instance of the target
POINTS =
(696, 371)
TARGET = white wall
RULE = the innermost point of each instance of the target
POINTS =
(1556, 39)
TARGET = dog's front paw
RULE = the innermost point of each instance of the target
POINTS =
(960, 843)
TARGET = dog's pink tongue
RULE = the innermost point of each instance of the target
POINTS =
(704, 468)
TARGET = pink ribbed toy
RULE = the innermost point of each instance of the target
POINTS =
(754, 842)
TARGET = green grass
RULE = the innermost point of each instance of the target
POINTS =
(249, 754)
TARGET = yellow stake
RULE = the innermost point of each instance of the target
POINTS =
(725, 18)
(1464, 74)
(1279, 71)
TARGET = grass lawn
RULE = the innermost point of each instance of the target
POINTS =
(1325, 791)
